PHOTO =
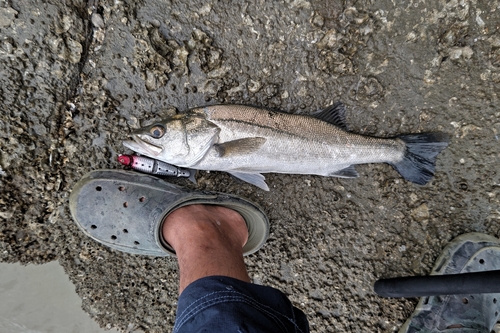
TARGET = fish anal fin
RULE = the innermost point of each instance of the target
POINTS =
(239, 147)
(253, 178)
(334, 114)
(349, 172)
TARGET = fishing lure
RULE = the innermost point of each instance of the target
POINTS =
(155, 167)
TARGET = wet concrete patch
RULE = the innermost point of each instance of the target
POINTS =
(41, 299)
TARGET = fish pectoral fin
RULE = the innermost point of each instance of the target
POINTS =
(349, 172)
(239, 147)
(334, 114)
(253, 178)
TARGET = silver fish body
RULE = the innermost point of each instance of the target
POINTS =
(247, 141)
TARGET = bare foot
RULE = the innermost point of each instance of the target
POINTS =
(208, 240)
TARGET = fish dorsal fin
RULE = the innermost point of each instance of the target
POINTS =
(349, 172)
(253, 178)
(239, 147)
(334, 114)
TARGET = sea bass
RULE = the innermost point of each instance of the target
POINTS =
(247, 141)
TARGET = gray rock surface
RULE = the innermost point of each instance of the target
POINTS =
(77, 77)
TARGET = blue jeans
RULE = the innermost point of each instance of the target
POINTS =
(223, 304)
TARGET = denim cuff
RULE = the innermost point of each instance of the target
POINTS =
(224, 304)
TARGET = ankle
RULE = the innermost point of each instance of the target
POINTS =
(208, 241)
(204, 225)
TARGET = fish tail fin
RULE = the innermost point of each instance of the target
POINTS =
(419, 162)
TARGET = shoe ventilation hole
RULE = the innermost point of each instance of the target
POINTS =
(125, 204)
(113, 237)
(121, 188)
(465, 300)
(93, 226)
(481, 261)
(494, 301)
(125, 231)
(141, 199)
(98, 188)
(136, 243)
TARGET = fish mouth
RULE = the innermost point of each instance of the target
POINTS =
(140, 146)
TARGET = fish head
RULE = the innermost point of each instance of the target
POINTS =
(181, 140)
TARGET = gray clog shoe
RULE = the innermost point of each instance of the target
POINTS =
(473, 252)
(125, 211)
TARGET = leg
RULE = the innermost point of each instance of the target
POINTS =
(208, 241)
(215, 293)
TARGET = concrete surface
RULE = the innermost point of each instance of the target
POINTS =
(76, 77)
(41, 299)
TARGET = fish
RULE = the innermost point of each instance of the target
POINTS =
(246, 141)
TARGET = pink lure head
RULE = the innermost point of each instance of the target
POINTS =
(125, 159)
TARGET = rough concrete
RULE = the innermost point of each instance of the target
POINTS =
(76, 78)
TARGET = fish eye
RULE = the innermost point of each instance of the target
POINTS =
(157, 131)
